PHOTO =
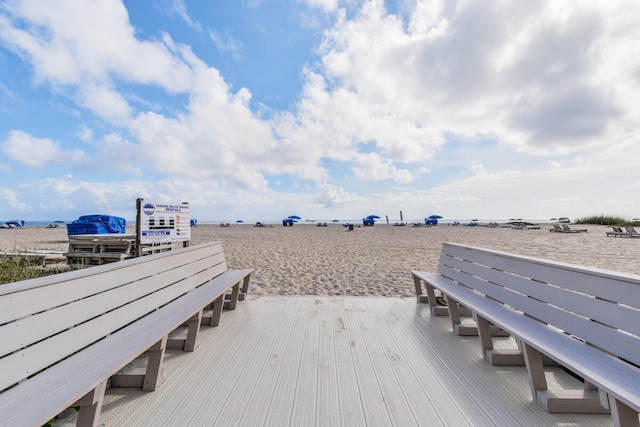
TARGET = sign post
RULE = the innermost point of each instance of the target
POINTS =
(161, 223)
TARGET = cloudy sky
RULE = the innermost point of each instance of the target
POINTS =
(260, 109)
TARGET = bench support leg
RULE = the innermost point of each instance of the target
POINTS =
(192, 332)
(234, 297)
(436, 310)
(535, 369)
(245, 288)
(217, 311)
(623, 415)
(578, 401)
(484, 333)
(455, 312)
(417, 283)
(497, 357)
(90, 406)
(154, 376)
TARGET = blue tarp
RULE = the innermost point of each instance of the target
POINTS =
(97, 224)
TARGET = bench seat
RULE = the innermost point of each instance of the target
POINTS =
(121, 311)
(587, 320)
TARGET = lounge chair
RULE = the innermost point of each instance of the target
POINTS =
(557, 229)
(617, 232)
(568, 229)
(632, 232)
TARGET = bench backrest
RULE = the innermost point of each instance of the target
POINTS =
(598, 306)
(44, 320)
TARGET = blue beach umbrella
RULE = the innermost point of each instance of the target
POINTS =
(239, 220)
(294, 217)
(435, 217)
(373, 217)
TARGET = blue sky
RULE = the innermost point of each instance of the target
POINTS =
(261, 109)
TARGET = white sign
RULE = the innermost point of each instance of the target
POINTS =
(164, 223)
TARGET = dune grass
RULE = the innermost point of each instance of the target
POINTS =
(15, 269)
(606, 220)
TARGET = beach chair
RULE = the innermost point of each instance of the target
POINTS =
(632, 232)
(568, 229)
(617, 232)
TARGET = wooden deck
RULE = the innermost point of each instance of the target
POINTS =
(336, 361)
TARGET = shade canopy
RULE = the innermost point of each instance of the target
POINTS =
(294, 217)
(434, 217)
(373, 217)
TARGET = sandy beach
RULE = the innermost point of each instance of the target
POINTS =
(310, 260)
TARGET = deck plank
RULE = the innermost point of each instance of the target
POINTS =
(336, 361)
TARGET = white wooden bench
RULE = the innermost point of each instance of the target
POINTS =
(585, 319)
(66, 338)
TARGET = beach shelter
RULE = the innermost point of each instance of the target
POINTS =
(432, 220)
(369, 220)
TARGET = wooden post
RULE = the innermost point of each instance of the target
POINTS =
(138, 227)
(185, 243)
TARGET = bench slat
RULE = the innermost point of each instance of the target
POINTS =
(602, 369)
(616, 316)
(17, 302)
(584, 318)
(27, 362)
(594, 333)
(593, 281)
(34, 402)
(29, 330)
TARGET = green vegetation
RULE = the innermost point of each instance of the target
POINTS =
(15, 269)
(607, 220)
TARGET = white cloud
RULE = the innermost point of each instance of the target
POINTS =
(37, 152)
(85, 133)
(325, 5)
(370, 167)
(538, 77)
(476, 90)
(179, 8)
(85, 47)
(225, 42)
(11, 200)
(216, 138)
(331, 197)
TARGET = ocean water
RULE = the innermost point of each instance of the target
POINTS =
(44, 223)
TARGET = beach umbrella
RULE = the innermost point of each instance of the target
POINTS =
(239, 220)
(373, 217)
(294, 217)
(435, 217)
(335, 220)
